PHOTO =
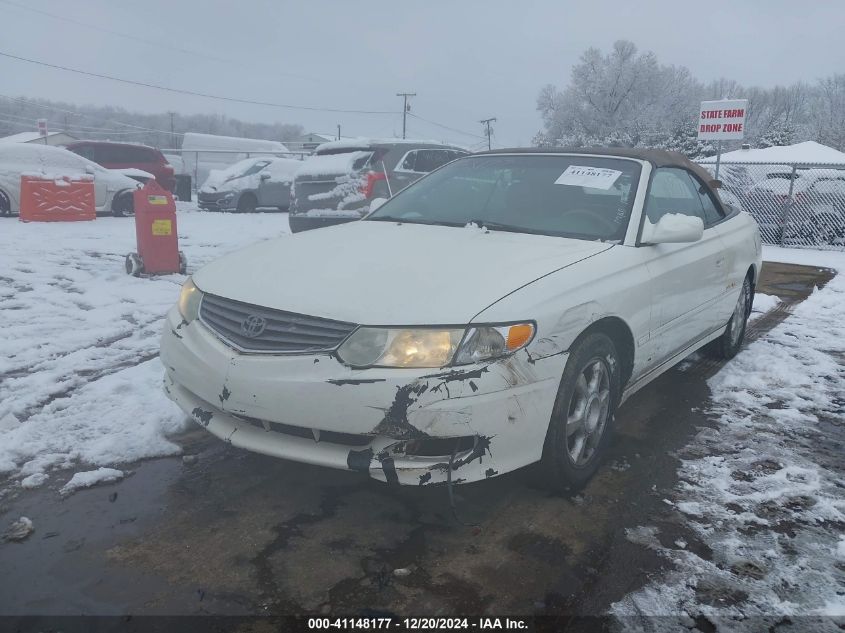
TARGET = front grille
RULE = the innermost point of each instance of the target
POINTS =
(282, 332)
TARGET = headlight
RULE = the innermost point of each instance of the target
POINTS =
(431, 347)
(189, 301)
(388, 347)
(492, 341)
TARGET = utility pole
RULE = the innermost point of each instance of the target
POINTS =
(489, 131)
(405, 108)
(172, 131)
(338, 131)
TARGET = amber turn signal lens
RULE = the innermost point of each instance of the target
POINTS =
(519, 335)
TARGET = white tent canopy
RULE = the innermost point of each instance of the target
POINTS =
(805, 152)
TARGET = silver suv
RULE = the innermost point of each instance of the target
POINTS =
(340, 180)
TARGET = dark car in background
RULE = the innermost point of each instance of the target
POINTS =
(338, 183)
(127, 156)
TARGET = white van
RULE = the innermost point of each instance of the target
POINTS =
(203, 152)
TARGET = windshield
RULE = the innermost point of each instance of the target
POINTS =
(570, 196)
(253, 168)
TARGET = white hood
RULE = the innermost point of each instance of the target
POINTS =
(381, 273)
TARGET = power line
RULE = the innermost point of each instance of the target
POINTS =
(445, 127)
(160, 44)
(190, 92)
(82, 114)
(111, 32)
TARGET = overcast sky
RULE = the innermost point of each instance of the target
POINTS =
(465, 60)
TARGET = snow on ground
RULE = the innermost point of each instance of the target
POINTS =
(92, 478)
(763, 489)
(79, 369)
(762, 304)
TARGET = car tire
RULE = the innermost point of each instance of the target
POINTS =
(123, 205)
(134, 265)
(728, 345)
(5, 205)
(582, 419)
(247, 203)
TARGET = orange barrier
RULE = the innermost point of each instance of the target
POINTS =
(56, 200)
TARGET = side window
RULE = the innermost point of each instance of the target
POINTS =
(712, 211)
(430, 159)
(672, 191)
(408, 163)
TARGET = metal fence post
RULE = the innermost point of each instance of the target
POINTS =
(787, 205)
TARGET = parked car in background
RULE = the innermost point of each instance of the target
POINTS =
(112, 189)
(493, 314)
(817, 215)
(249, 184)
(339, 181)
(203, 153)
(127, 156)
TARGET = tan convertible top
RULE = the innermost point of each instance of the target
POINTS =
(657, 157)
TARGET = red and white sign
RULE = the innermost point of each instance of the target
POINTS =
(42, 127)
(722, 120)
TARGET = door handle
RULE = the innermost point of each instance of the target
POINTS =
(719, 262)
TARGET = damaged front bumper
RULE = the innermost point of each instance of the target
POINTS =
(411, 427)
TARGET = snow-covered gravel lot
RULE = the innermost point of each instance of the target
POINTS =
(79, 369)
(765, 488)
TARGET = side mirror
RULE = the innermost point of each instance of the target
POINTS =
(376, 203)
(673, 228)
(716, 184)
(89, 170)
(265, 176)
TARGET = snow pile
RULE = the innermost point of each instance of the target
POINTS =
(763, 489)
(91, 478)
(19, 530)
(762, 304)
(283, 169)
(80, 379)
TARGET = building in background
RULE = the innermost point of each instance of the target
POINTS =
(309, 142)
(53, 138)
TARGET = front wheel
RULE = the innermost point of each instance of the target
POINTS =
(582, 418)
(247, 204)
(727, 346)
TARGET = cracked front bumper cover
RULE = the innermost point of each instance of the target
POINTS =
(383, 458)
(313, 409)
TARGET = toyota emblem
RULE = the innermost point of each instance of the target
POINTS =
(253, 326)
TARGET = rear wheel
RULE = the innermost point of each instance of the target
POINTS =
(5, 205)
(247, 203)
(728, 345)
(134, 265)
(123, 205)
(582, 418)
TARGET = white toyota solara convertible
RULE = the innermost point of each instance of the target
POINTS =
(491, 315)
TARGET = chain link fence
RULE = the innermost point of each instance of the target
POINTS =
(796, 205)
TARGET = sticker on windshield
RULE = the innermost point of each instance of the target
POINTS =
(592, 177)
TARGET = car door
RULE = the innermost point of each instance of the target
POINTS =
(687, 280)
(272, 192)
(735, 240)
(405, 171)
